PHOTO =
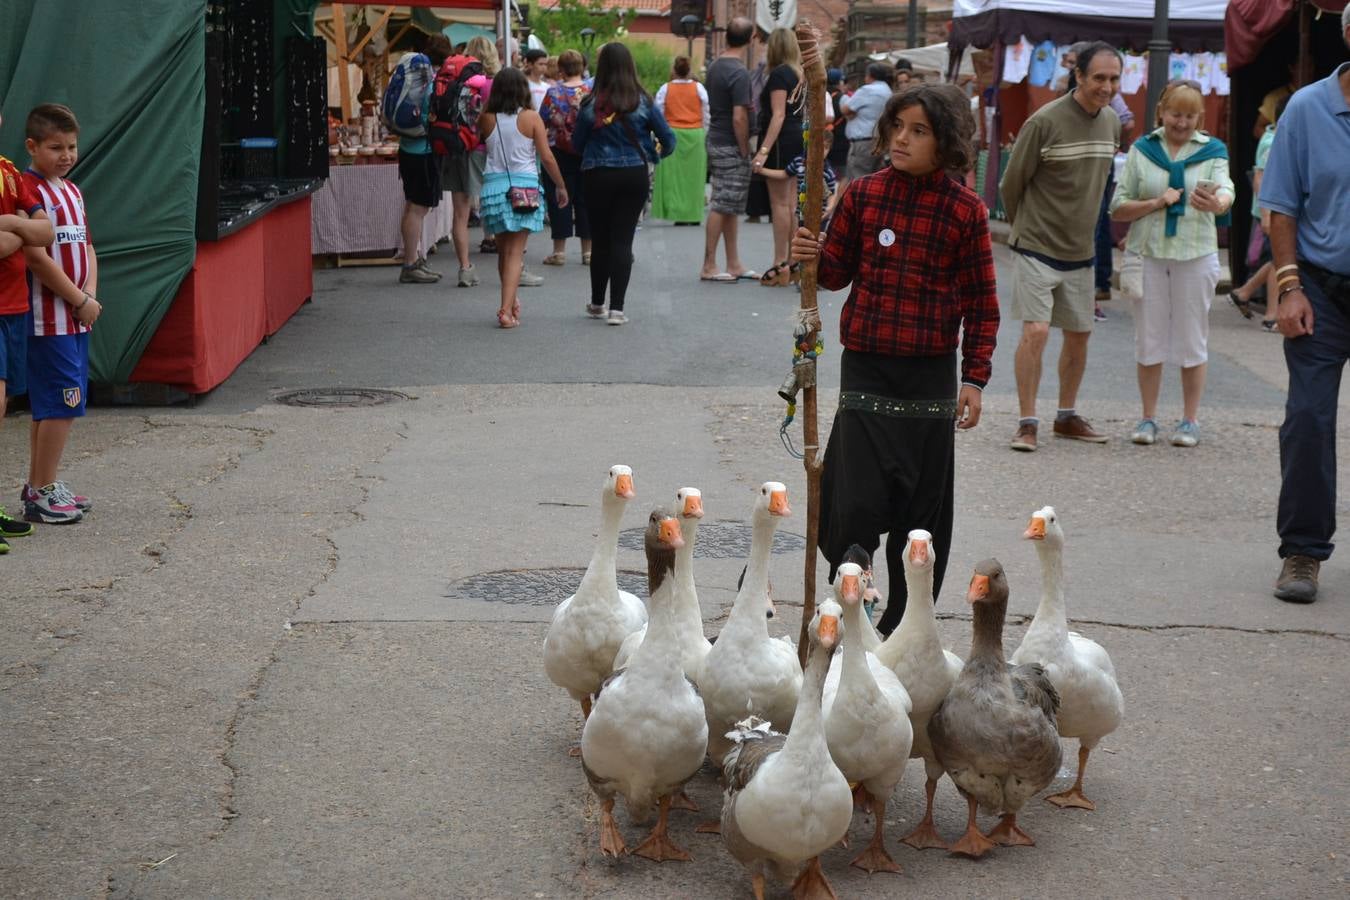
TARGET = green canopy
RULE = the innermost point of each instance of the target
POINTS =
(134, 75)
(460, 33)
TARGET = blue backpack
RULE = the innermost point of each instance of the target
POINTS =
(404, 104)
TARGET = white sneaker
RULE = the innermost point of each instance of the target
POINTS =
(595, 312)
(529, 279)
(468, 277)
(616, 317)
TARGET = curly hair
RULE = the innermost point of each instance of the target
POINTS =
(948, 112)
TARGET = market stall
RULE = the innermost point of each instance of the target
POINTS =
(359, 209)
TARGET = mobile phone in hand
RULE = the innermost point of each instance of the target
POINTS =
(1209, 187)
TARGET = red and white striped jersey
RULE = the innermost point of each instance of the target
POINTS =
(65, 207)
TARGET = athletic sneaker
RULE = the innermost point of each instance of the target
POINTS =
(83, 504)
(13, 527)
(4, 546)
(616, 317)
(1146, 432)
(47, 508)
(426, 267)
(529, 279)
(1187, 434)
(595, 312)
(468, 276)
(415, 275)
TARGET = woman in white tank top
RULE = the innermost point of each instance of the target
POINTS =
(516, 143)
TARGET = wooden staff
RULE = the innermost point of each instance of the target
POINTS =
(813, 67)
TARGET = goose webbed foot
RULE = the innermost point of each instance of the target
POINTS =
(874, 857)
(811, 884)
(925, 836)
(658, 846)
(1007, 834)
(680, 800)
(972, 843)
(1074, 798)
(611, 841)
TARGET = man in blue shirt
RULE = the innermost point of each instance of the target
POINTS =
(862, 110)
(1306, 187)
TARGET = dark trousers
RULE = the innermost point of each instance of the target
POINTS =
(1104, 242)
(561, 217)
(1306, 518)
(890, 475)
(614, 201)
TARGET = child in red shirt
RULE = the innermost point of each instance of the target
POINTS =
(914, 244)
(22, 223)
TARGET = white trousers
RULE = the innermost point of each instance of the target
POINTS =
(1171, 319)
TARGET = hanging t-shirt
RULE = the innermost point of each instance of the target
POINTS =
(1203, 66)
(1044, 61)
(1134, 74)
(1017, 60)
(1219, 77)
(1179, 65)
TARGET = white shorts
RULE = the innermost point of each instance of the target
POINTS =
(1171, 319)
(1042, 293)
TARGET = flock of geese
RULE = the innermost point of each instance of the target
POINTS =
(799, 749)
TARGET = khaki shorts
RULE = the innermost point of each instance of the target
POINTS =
(1042, 293)
(861, 161)
(463, 173)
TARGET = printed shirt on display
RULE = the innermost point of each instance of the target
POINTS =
(65, 207)
(917, 253)
(16, 195)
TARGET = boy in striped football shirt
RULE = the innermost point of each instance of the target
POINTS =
(62, 281)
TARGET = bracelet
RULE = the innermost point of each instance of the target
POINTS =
(1288, 290)
(1292, 267)
(83, 302)
(1288, 279)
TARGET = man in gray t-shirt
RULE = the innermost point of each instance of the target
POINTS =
(728, 143)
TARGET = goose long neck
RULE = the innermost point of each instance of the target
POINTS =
(748, 610)
(684, 558)
(1050, 612)
(986, 642)
(657, 647)
(855, 657)
(601, 573)
(807, 728)
(918, 621)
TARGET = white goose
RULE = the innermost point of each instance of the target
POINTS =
(747, 673)
(1091, 705)
(589, 626)
(866, 711)
(857, 555)
(914, 652)
(786, 802)
(647, 734)
(693, 646)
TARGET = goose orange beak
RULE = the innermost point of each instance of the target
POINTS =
(1035, 529)
(849, 589)
(778, 504)
(918, 552)
(670, 533)
(693, 507)
(979, 588)
(829, 632)
(623, 487)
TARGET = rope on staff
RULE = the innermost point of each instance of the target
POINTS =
(803, 372)
(813, 68)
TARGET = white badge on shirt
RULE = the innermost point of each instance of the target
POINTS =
(886, 237)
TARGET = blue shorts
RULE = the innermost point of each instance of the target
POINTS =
(14, 330)
(58, 375)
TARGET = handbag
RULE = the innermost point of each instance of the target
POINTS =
(522, 199)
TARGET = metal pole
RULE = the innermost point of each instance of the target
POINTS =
(1159, 49)
(912, 21)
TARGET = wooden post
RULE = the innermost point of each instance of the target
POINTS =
(813, 67)
(344, 83)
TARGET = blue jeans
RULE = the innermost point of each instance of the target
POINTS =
(1306, 519)
(1104, 242)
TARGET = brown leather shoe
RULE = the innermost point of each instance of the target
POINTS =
(1298, 579)
(1025, 439)
(1079, 429)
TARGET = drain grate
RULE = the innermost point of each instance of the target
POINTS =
(723, 540)
(535, 587)
(340, 398)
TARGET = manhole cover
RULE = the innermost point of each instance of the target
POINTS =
(327, 398)
(535, 587)
(722, 540)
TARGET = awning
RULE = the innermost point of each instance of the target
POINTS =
(1194, 25)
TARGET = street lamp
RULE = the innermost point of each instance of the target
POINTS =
(689, 25)
(587, 42)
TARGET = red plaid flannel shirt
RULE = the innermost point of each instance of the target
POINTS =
(917, 253)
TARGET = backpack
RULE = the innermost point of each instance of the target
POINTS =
(405, 97)
(455, 107)
(562, 117)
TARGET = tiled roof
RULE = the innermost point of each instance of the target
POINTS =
(643, 7)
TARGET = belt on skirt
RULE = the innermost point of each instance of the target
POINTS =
(897, 409)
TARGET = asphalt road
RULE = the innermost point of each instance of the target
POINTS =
(295, 652)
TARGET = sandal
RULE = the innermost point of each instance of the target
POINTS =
(489, 245)
(776, 275)
(506, 321)
(586, 258)
(515, 310)
(1242, 305)
(555, 259)
(1271, 325)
